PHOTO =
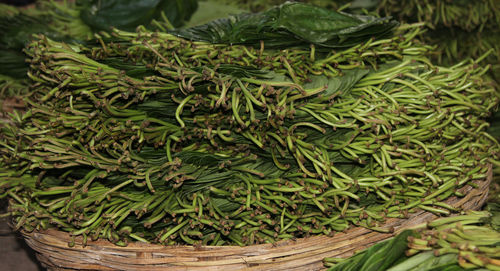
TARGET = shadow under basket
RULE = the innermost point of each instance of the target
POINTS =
(300, 254)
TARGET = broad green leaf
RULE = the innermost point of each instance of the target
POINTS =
(318, 25)
(348, 264)
(494, 209)
(236, 71)
(178, 12)
(425, 261)
(438, 263)
(381, 259)
(378, 257)
(128, 14)
(13, 64)
(291, 24)
(224, 204)
(411, 262)
(335, 84)
(200, 159)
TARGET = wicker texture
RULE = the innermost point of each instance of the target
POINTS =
(301, 254)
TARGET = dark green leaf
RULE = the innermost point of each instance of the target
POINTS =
(136, 70)
(447, 261)
(378, 257)
(381, 259)
(291, 24)
(494, 209)
(128, 14)
(224, 204)
(236, 70)
(16, 31)
(178, 12)
(200, 159)
(341, 84)
(13, 64)
(426, 261)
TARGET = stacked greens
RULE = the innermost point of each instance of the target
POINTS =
(291, 25)
(152, 137)
(465, 242)
(128, 14)
(57, 20)
(75, 22)
(459, 28)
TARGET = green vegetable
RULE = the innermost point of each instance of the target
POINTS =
(291, 24)
(58, 21)
(148, 136)
(465, 242)
(460, 29)
(128, 14)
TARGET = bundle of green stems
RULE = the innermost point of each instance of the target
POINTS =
(149, 137)
(465, 242)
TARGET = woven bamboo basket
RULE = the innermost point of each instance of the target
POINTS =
(300, 254)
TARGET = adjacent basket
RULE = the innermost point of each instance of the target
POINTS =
(301, 254)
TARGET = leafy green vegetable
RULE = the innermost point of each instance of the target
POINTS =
(291, 24)
(233, 139)
(17, 27)
(377, 257)
(464, 242)
(426, 261)
(494, 209)
(13, 64)
(341, 84)
(15, 32)
(128, 14)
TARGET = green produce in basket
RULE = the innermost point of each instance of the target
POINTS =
(466, 242)
(459, 29)
(167, 138)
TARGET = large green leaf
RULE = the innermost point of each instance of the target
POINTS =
(342, 84)
(236, 70)
(378, 257)
(16, 29)
(13, 64)
(291, 24)
(494, 209)
(128, 14)
(427, 261)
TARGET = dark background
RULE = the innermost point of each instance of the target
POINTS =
(17, 2)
